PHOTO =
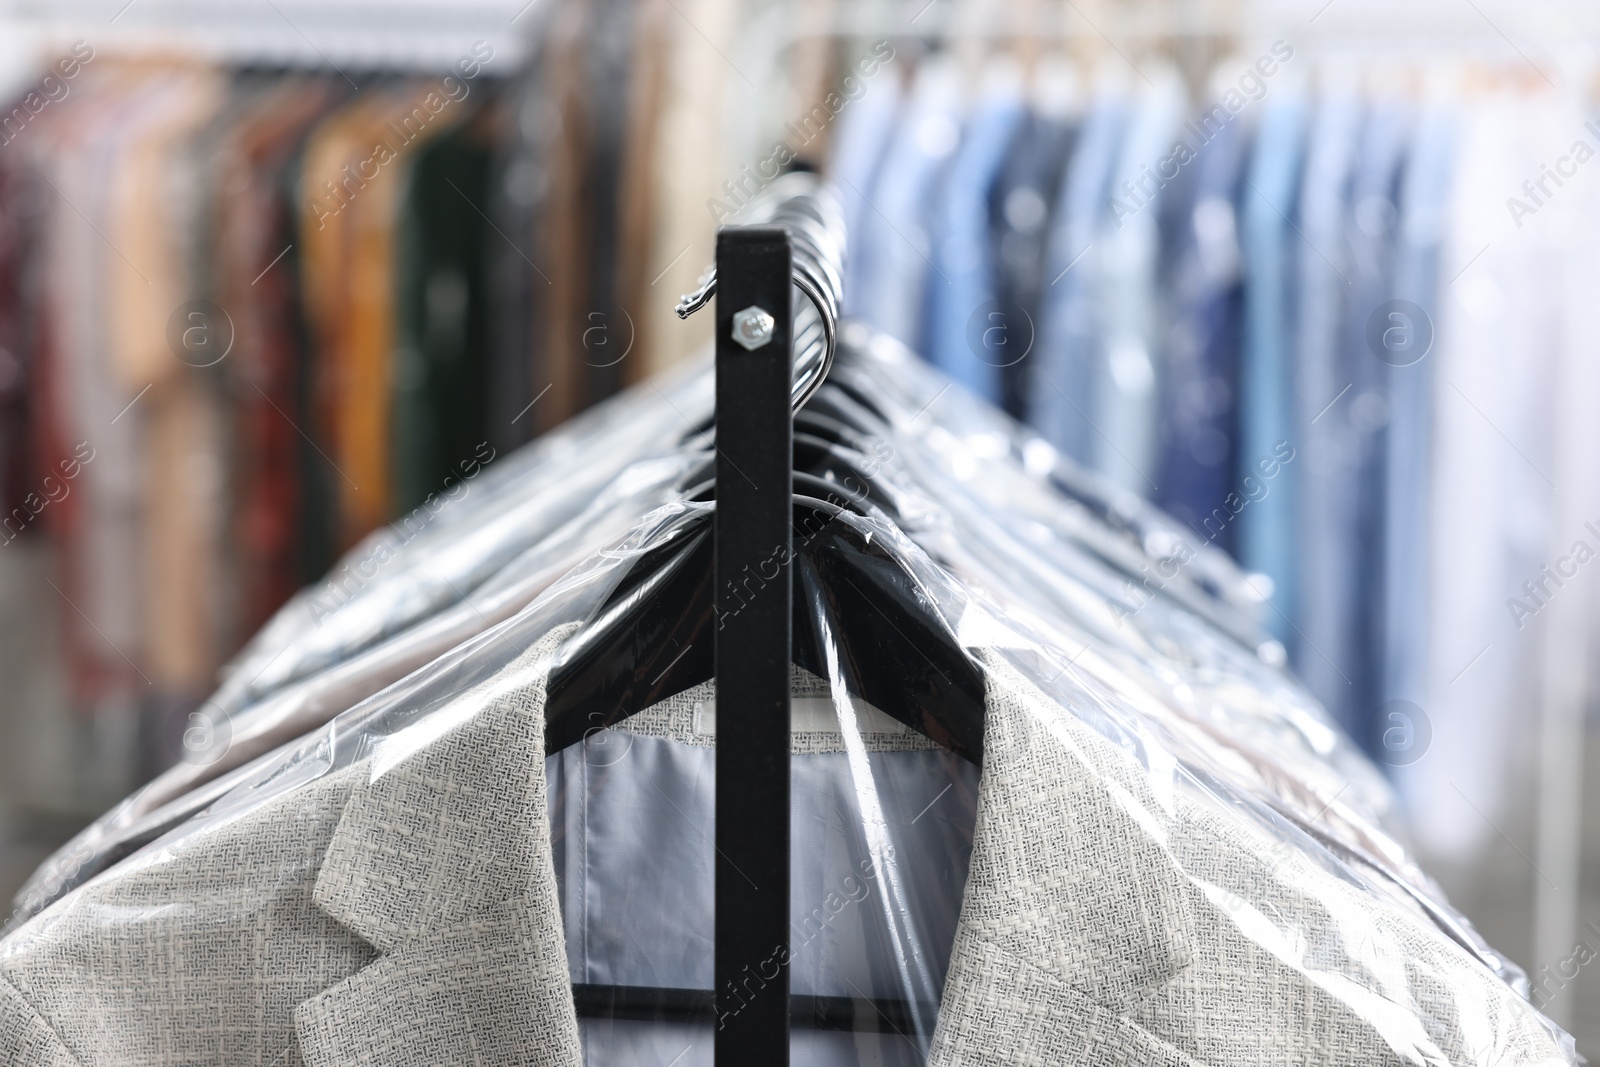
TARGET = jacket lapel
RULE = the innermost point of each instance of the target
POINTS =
(442, 860)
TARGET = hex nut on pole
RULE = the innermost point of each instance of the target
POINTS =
(752, 327)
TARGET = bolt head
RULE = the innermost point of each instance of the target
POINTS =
(753, 327)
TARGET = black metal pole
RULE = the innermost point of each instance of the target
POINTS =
(755, 448)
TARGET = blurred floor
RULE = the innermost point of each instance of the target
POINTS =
(58, 771)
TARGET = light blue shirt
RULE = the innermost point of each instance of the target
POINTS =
(1267, 540)
(1322, 652)
(895, 248)
(1060, 401)
(1127, 371)
(865, 130)
(1424, 201)
(967, 336)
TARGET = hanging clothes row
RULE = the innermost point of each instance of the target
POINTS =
(213, 319)
(1028, 817)
(278, 310)
(274, 313)
(1251, 303)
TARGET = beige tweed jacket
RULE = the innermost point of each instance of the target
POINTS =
(403, 911)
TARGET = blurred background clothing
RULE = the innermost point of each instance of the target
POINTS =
(1318, 281)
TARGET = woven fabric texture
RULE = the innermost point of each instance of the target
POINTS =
(1063, 874)
(1002, 1011)
(403, 911)
(490, 990)
(1365, 985)
(410, 897)
(26, 1040)
(459, 825)
(677, 718)
(197, 957)
(443, 860)
(1108, 922)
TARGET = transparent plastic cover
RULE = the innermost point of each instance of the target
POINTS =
(1044, 811)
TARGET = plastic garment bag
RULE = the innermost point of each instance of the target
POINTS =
(411, 592)
(448, 548)
(225, 743)
(428, 588)
(1038, 817)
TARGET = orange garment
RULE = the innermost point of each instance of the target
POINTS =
(148, 276)
(352, 188)
(324, 272)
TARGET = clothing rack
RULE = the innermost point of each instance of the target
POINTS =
(769, 360)
(753, 535)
